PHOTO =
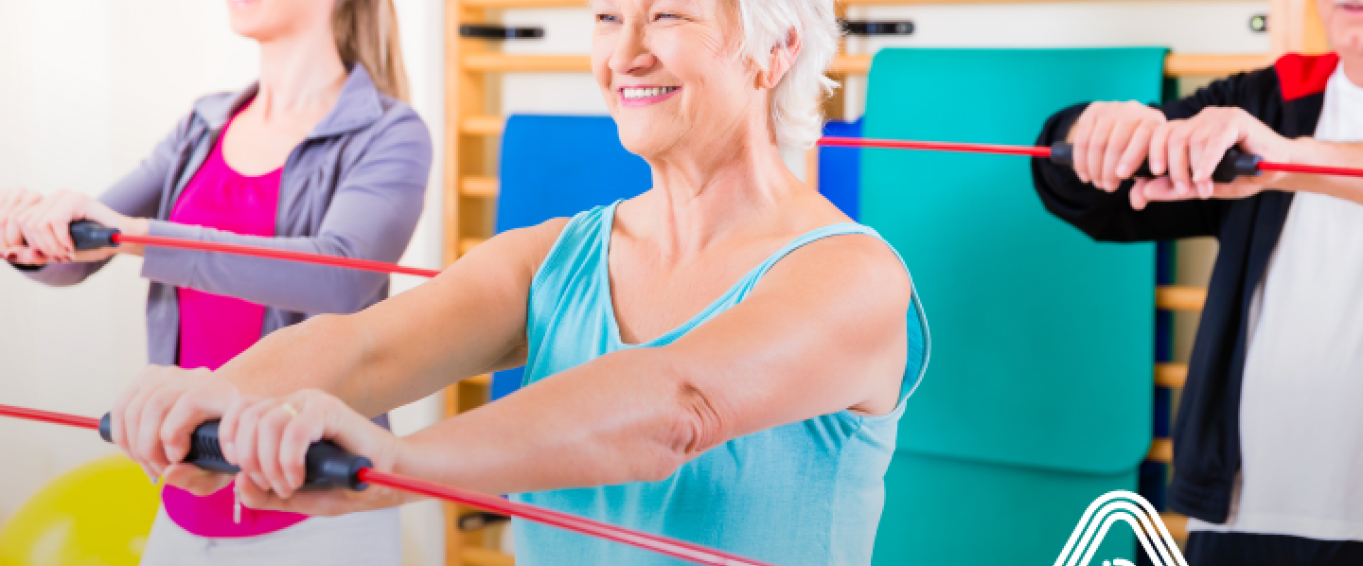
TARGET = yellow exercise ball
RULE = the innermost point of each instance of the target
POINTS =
(96, 515)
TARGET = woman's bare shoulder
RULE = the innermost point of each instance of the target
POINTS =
(854, 267)
(525, 247)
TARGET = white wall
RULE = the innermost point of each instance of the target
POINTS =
(87, 87)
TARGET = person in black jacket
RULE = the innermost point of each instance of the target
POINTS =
(1268, 459)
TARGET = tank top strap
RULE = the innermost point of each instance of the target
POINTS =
(578, 249)
(842, 228)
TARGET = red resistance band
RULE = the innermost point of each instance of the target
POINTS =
(87, 235)
(329, 466)
(302, 257)
(1250, 167)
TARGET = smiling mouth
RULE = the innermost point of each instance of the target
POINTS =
(1351, 5)
(633, 94)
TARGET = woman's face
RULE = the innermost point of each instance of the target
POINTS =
(1343, 21)
(265, 20)
(670, 73)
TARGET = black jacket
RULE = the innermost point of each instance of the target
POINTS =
(1288, 98)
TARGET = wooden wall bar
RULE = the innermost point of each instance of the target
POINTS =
(1176, 65)
(506, 4)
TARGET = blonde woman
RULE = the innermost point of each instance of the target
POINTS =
(723, 359)
(322, 155)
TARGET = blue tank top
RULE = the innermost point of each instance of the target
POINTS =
(809, 492)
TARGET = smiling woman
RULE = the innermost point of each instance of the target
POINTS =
(745, 33)
(723, 359)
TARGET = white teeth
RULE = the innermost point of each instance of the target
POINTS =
(638, 93)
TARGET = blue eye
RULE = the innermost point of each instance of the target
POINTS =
(668, 16)
(606, 18)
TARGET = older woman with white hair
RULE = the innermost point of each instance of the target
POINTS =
(723, 359)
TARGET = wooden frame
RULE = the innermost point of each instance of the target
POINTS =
(473, 126)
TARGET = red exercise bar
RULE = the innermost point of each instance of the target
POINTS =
(1045, 152)
(938, 146)
(663, 545)
(1311, 169)
(238, 249)
(49, 417)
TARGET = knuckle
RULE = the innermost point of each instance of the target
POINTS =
(169, 438)
(156, 404)
(147, 453)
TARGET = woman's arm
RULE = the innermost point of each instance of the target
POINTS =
(137, 195)
(824, 332)
(372, 216)
(468, 320)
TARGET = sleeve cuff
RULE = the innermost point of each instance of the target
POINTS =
(171, 266)
(1065, 120)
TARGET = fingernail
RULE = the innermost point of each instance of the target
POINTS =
(154, 480)
(236, 503)
(228, 452)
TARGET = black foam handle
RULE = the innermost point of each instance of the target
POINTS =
(488, 31)
(328, 466)
(854, 27)
(88, 235)
(1234, 164)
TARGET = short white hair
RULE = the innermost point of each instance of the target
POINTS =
(797, 106)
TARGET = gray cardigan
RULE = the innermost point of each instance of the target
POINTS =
(353, 188)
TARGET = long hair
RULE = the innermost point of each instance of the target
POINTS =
(367, 33)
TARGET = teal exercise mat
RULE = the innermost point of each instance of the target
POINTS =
(1043, 339)
(992, 515)
(1039, 395)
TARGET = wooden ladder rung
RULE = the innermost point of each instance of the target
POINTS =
(468, 243)
(1161, 450)
(514, 63)
(1176, 65)
(1180, 298)
(474, 556)
(478, 186)
(1192, 65)
(1177, 525)
(481, 125)
(1171, 375)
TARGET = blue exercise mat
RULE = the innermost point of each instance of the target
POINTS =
(840, 169)
(558, 166)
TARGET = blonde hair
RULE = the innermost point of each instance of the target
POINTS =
(367, 33)
(797, 104)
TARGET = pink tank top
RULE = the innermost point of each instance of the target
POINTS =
(214, 328)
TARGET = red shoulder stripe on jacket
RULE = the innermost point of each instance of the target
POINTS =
(1304, 75)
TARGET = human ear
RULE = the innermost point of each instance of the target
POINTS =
(782, 58)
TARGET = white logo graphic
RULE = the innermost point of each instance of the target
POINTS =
(1120, 506)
